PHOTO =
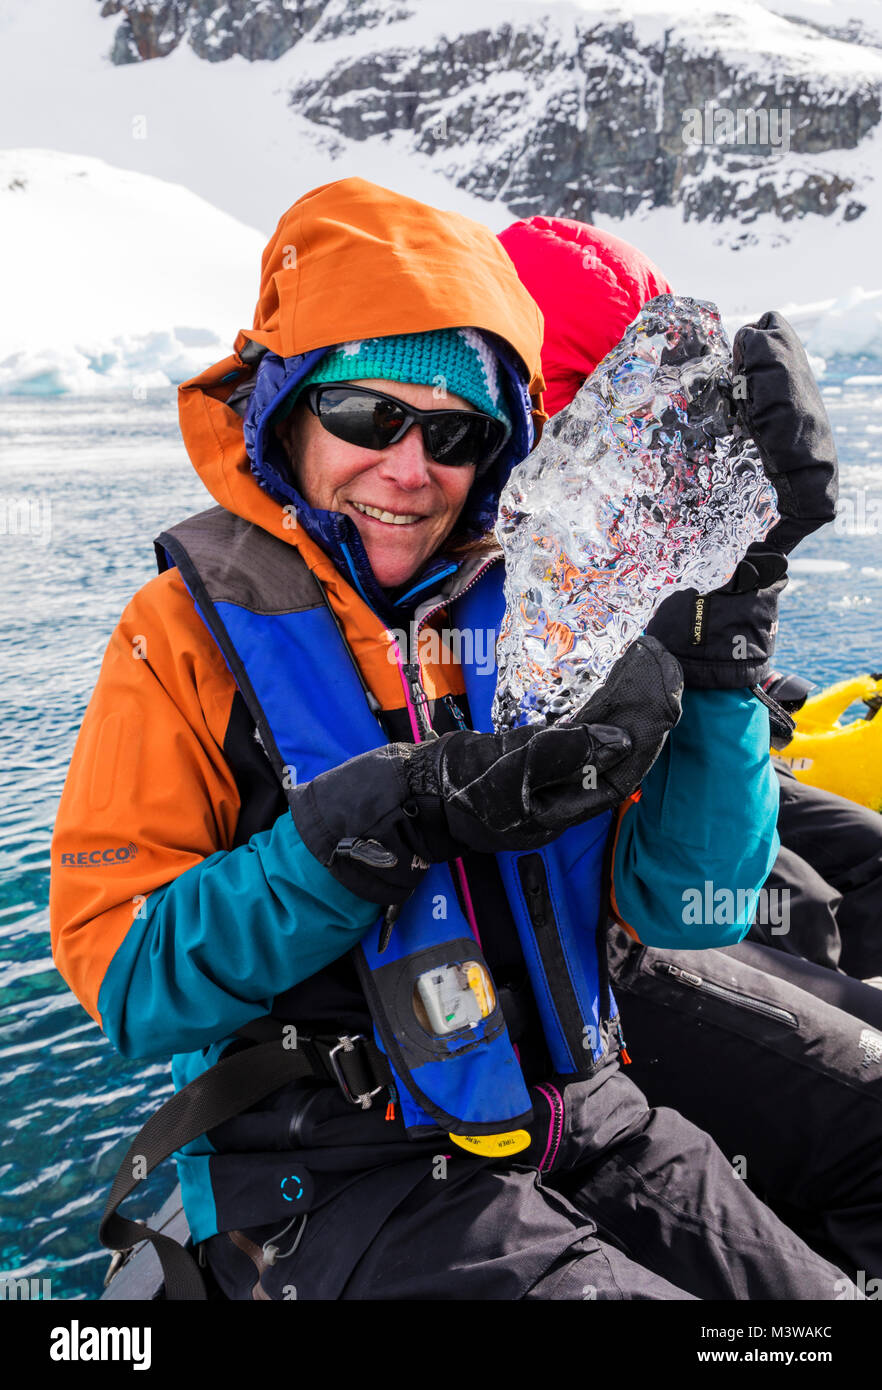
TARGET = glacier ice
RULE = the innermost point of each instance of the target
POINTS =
(643, 485)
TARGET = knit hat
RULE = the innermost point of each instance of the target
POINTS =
(459, 360)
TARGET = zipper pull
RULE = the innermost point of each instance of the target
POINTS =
(420, 701)
(687, 976)
(626, 1059)
(390, 1108)
(389, 920)
(455, 711)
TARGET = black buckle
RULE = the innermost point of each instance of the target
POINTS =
(346, 1046)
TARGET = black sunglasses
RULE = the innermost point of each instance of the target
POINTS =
(372, 420)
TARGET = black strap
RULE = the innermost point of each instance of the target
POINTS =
(758, 570)
(228, 1088)
(790, 691)
(781, 726)
(358, 1069)
(252, 352)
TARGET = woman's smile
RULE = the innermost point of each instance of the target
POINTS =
(385, 516)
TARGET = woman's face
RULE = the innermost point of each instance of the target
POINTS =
(424, 498)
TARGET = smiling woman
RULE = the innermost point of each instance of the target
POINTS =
(331, 841)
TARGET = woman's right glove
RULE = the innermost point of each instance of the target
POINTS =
(378, 821)
(726, 639)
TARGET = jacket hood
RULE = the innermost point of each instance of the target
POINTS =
(589, 284)
(352, 260)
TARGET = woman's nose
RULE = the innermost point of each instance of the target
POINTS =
(407, 463)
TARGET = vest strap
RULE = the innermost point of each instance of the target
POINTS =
(218, 1095)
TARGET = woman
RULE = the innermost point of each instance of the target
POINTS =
(278, 825)
(795, 1095)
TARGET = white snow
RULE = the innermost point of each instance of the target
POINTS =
(131, 255)
(836, 14)
(111, 278)
(809, 276)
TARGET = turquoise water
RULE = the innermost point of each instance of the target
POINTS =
(102, 478)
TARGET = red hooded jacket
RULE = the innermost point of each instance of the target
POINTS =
(585, 313)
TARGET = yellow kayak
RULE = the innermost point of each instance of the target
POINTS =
(841, 758)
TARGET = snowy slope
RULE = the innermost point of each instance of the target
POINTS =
(228, 129)
(113, 278)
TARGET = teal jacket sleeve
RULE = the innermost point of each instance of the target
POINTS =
(215, 946)
(694, 851)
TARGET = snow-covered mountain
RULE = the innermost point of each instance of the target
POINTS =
(574, 109)
(498, 108)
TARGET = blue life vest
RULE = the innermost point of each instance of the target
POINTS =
(286, 652)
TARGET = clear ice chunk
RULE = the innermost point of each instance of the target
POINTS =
(642, 486)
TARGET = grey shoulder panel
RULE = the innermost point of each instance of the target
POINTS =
(238, 562)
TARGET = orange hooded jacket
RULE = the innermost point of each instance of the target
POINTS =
(149, 792)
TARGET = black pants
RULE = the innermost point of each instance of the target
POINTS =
(633, 1203)
(749, 1044)
(830, 865)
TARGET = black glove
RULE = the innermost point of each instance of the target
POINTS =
(377, 821)
(725, 640)
(777, 402)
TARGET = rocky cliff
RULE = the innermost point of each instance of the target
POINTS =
(567, 109)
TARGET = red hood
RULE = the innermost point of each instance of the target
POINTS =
(589, 285)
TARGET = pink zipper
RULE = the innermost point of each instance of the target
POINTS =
(453, 597)
(555, 1128)
(467, 899)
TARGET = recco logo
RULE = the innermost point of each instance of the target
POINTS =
(85, 859)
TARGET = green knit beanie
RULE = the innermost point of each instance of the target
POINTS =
(459, 360)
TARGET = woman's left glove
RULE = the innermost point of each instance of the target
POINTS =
(378, 821)
(725, 640)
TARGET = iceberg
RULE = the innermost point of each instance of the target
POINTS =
(643, 485)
